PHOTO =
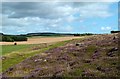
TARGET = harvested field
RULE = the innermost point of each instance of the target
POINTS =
(38, 40)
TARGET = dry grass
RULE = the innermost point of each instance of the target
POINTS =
(38, 40)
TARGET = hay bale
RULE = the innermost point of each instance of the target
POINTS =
(15, 43)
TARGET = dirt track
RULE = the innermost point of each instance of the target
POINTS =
(38, 40)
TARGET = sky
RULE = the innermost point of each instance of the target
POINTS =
(59, 17)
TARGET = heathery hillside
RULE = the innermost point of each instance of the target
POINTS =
(96, 56)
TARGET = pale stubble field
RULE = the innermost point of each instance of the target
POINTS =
(38, 40)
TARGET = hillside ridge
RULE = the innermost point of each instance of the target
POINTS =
(96, 56)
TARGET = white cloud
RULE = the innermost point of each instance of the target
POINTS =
(21, 31)
(70, 18)
(51, 16)
(94, 23)
(60, 0)
(95, 10)
(105, 28)
(56, 10)
(68, 28)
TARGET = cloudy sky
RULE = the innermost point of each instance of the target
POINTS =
(67, 17)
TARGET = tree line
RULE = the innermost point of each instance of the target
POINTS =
(12, 38)
(85, 34)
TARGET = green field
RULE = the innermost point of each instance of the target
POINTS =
(16, 54)
(12, 48)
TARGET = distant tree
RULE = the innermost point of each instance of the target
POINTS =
(12, 38)
(76, 34)
(7, 39)
(115, 31)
